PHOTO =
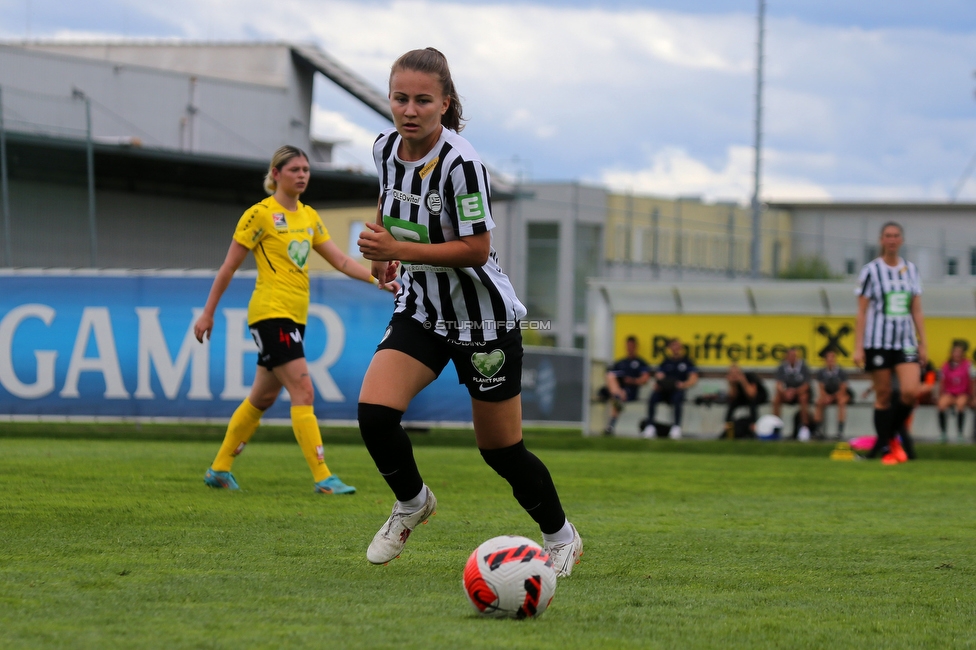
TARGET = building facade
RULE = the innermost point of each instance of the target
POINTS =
(144, 155)
(940, 238)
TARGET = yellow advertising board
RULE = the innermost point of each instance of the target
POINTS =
(716, 340)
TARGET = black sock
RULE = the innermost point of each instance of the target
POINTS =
(942, 422)
(840, 428)
(960, 419)
(531, 484)
(900, 412)
(390, 447)
(907, 443)
(882, 426)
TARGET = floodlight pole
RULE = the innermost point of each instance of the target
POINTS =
(90, 163)
(756, 206)
(5, 190)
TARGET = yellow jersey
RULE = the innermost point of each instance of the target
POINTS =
(281, 242)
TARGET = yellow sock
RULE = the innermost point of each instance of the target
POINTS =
(309, 438)
(241, 427)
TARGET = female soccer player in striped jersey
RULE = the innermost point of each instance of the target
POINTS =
(890, 334)
(456, 304)
(281, 231)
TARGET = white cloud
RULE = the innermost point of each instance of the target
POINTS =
(673, 172)
(654, 99)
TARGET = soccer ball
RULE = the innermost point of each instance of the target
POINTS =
(509, 576)
(769, 427)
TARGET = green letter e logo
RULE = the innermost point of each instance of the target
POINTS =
(471, 207)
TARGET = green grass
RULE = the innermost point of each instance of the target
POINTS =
(108, 543)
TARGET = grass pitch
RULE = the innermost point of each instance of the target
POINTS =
(117, 543)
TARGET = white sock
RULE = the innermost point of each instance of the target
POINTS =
(416, 503)
(562, 536)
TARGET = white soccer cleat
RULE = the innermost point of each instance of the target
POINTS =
(565, 556)
(803, 435)
(649, 432)
(392, 537)
(675, 432)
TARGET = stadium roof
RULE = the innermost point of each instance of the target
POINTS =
(879, 206)
(174, 173)
(227, 60)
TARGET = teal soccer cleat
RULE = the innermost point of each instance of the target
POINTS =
(333, 485)
(220, 480)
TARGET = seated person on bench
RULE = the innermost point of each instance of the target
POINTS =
(793, 387)
(833, 389)
(624, 379)
(745, 389)
(676, 374)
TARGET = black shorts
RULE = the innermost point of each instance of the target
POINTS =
(279, 341)
(878, 359)
(491, 370)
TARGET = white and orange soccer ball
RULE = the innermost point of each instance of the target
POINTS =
(509, 576)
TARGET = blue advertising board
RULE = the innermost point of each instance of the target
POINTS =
(122, 346)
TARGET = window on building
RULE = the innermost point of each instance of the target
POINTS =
(871, 252)
(972, 261)
(587, 265)
(355, 228)
(851, 266)
(542, 270)
(620, 243)
(637, 253)
(952, 266)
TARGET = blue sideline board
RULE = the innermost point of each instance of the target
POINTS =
(122, 346)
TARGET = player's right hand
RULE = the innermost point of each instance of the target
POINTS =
(858, 357)
(203, 326)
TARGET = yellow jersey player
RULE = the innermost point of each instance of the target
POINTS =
(282, 233)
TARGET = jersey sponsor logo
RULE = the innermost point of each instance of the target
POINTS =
(406, 198)
(428, 168)
(897, 303)
(257, 235)
(311, 232)
(288, 337)
(298, 252)
(488, 363)
(471, 207)
(406, 230)
(429, 268)
(279, 220)
(433, 202)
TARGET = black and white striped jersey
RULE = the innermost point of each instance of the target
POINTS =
(889, 290)
(443, 197)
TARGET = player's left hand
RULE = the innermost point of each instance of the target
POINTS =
(376, 243)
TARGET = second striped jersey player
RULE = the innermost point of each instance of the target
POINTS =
(443, 197)
(890, 291)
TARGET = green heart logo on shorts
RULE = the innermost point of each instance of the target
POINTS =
(298, 252)
(488, 363)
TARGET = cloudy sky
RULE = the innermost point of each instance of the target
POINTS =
(865, 99)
